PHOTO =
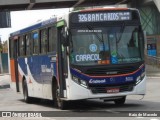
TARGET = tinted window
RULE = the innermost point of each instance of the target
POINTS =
(43, 41)
(35, 42)
(22, 46)
(52, 39)
(11, 48)
(28, 44)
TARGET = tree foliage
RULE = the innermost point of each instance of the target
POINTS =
(3, 46)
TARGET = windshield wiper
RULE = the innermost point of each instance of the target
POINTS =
(99, 38)
(121, 33)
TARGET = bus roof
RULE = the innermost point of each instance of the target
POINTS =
(35, 26)
(102, 9)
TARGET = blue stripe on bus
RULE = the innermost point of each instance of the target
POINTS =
(26, 29)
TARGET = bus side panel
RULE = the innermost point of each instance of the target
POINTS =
(39, 76)
(20, 77)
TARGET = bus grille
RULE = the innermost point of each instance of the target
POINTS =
(111, 71)
(122, 88)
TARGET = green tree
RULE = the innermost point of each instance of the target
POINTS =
(5, 46)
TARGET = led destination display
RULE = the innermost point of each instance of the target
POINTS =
(101, 16)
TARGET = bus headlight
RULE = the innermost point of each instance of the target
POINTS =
(140, 78)
(83, 83)
(79, 81)
(75, 79)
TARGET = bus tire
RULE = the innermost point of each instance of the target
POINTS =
(27, 99)
(120, 101)
(61, 104)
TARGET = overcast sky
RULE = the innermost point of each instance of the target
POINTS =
(22, 19)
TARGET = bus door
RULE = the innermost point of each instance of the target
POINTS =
(62, 61)
(16, 62)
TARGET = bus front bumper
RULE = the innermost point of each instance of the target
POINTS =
(77, 92)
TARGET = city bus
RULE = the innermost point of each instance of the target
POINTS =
(88, 54)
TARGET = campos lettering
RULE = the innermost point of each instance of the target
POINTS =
(97, 81)
(87, 57)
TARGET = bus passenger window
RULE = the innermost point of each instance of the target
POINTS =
(43, 42)
(35, 43)
(22, 46)
(28, 50)
(52, 39)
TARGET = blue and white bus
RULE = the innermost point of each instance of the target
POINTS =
(87, 54)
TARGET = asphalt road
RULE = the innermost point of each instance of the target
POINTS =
(12, 101)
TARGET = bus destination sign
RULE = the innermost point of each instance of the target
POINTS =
(102, 16)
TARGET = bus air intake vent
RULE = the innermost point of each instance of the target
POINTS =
(110, 71)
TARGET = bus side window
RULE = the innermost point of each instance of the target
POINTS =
(35, 42)
(52, 39)
(43, 41)
(22, 46)
(28, 44)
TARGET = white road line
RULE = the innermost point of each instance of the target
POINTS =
(154, 119)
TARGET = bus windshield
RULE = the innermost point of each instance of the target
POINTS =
(105, 45)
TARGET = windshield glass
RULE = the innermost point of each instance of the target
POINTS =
(109, 45)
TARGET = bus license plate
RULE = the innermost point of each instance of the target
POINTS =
(112, 90)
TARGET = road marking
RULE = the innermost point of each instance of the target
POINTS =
(154, 119)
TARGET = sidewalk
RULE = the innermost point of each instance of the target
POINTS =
(4, 81)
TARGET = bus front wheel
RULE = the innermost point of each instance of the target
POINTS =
(58, 102)
(120, 101)
(27, 99)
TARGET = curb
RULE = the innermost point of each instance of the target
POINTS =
(4, 74)
(4, 86)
